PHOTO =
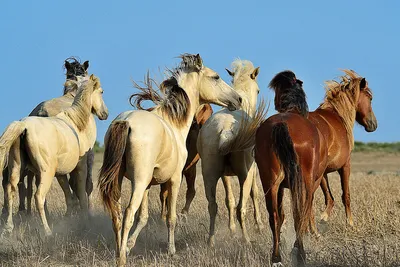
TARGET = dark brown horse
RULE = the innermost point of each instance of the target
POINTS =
(189, 170)
(295, 149)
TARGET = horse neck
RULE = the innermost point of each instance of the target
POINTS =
(249, 101)
(347, 115)
(78, 114)
(191, 87)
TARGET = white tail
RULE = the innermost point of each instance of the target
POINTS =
(13, 131)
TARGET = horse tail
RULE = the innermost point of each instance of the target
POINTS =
(284, 150)
(10, 135)
(289, 93)
(244, 136)
(115, 145)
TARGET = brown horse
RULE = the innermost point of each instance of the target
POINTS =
(295, 149)
(189, 170)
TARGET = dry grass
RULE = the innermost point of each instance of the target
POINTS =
(375, 189)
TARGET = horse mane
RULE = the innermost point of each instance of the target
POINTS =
(343, 96)
(173, 102)
(289, 93)
(80, 110)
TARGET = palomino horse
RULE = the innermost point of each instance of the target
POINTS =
(50, 108)
(52, 146)
(149, 147)
(218, 159)
(189, 171)
(292, 151)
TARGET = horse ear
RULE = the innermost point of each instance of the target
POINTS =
(92, 77)
(231, 73)
(255, 72)
(363, 84)
(198, 62)
(67, 65)
(86, 64)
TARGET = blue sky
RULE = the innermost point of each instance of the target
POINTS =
(122, 40)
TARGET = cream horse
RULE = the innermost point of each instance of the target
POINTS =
(150, 147)
(52, 146)
(220, 156)
(49, 108)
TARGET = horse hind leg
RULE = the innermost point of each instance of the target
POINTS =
(230, 202)
(4, 212)
(79, 174)
(329, 200)
(344, 173)
(255, 196)
(139, 187)
(22, 192)
(143, 218)
(45, 179)
(29, 193)
(190, 176)
(16, 167)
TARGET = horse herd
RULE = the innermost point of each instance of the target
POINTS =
(293, 149)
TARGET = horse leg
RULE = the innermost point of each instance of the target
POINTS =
(138, 189)
(116, 216)
(313, 226)
(63, 181)
(89, 180)
(190, 175)
(22, 193)
(174, 185)
(245, 180)
(29, 193)
(143, 218)
(212, 169)
(37, 182)
(329, 200)
(45, 179)
(163, 199)
(275, 223)
(4, 184)
(79, 174)
(230, 202)
(255, 196)
(344, 173)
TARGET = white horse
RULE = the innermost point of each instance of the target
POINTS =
(149, 147)
(52, 146)
(74, 70)
(219, 158)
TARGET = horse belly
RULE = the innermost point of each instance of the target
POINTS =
(67, 161)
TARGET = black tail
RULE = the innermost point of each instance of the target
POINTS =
(289, 93)
(284, 149)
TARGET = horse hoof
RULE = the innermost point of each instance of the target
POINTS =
(324, 217)
(171, 251)
(211, 241)
(277, 264)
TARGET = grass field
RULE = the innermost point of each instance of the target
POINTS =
(374, 241)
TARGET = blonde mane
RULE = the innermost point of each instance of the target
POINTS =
(80, 110)
(343, 97)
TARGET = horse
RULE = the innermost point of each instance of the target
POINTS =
(49, 108)
(340, 137)
(148, 147)
(293, 148)
(218, 158)
(189, 170)
(52, 146)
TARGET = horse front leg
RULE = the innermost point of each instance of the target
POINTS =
(344, 173)
(79, 175)
(89, 180)
(255, 196)
(190, 175)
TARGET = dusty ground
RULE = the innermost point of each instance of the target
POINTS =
(375, 191)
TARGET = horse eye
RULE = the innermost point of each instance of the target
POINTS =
(216, 77)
